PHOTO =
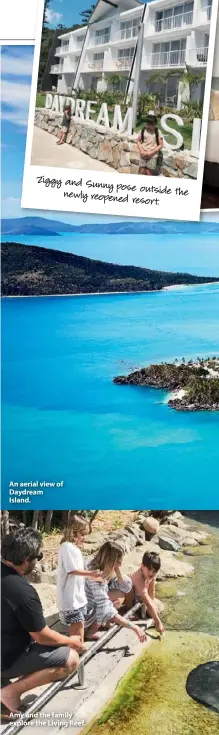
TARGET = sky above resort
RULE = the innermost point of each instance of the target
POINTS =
(67, 12)
(17, 64)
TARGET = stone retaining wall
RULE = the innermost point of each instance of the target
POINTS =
(116, 149)
(166, 536)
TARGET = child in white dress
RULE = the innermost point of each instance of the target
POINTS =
(71, 597)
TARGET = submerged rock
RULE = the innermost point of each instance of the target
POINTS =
(203, 685)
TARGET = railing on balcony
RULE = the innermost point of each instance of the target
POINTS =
(174, 21)
(168, 58)
(208, 10)
(198, 55)
(62, 49)
(100, 40)
(124, 63)
(125, 33)
(97, 65)
(55, 69)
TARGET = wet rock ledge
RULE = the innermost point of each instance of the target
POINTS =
(194, 386)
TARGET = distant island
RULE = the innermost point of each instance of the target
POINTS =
(46, 227)
(37, 271)
(194, 386)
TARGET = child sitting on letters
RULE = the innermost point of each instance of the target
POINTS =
(65, 125)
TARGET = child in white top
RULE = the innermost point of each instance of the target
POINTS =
(71, 597)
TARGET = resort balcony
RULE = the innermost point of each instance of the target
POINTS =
(56, 69)
(95, 65)
(61, 50)
(198, 56)
(124, 63)
(174, 21)
(127, 34)
(208, 12)
(100, 41)
(163, 59)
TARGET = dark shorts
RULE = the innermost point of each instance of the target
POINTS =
(36, 658)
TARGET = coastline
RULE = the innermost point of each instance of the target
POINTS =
(110, 293)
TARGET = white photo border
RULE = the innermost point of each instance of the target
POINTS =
(35, 196)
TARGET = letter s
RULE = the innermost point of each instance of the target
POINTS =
(175, 133)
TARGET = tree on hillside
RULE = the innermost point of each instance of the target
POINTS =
(86, 14)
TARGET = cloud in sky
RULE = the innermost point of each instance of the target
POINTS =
(16, 66)
(52, 16)
(15, 88)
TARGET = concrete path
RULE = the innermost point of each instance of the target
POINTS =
(46, 152)
(74, 707)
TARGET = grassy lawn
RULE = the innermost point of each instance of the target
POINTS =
(40, 99)
(186, 130)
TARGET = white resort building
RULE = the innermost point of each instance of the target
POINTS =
(110, 50)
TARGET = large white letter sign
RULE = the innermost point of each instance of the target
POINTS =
(175, 133)
(48, 102)
(120, 124)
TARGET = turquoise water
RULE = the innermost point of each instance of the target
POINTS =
(114, 446)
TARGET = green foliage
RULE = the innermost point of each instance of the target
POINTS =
(192, 110)
(146, 102)
(86, 14)
(196, 379)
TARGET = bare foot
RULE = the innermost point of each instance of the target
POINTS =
(94, 637)
(10, 698)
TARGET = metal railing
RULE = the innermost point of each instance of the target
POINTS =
(100, 40)
(198, 55)
(168, 58)
(56, 69)
(62, 49)
(174, 21)
(126, 33)
(53, 689)
(124, 63)
(96, 64)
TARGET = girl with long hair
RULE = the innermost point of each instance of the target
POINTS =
(104, 600)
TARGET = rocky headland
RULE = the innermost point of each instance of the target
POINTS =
(194, 386)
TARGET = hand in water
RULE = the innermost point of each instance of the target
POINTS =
(160, 628)
(140, 633)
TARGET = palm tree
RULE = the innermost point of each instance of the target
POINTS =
(5, 522)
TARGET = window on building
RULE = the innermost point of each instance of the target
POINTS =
(174, 17)
(99, 57)
(171, 53)
(102, 35)
(126, 53)
(65, 45)
(129, 28)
